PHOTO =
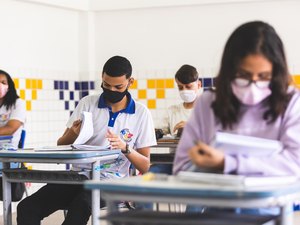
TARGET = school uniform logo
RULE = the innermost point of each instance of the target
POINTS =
(4, 117)
(126, 135)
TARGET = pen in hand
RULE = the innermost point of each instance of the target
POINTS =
(200, 151)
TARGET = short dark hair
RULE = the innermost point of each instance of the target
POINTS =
(117, 66)
(187, 74)
(11, 95)
(255, 37)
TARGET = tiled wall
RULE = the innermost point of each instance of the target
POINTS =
(49, 103)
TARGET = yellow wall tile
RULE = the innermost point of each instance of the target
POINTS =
(28, 105)
(160, 93)
(16, 81)
(28, 84)
(22, 94)
(39, 84)
(34, 94)
(160, 83)
(134, 85)
(169, 83)
(34, 84)
(151, 83)
(142, 94)
(151, 104)
(296, 79)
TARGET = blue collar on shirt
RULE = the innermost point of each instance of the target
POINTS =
(130, 108)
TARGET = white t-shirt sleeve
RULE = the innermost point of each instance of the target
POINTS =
(18, 111)
(146, 137)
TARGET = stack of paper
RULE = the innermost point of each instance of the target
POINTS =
(235, 144)
(86, 132)
(90, 147)
(237, 180)
(86, 129)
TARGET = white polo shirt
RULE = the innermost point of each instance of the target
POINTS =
(173, 115)
(16, 112)
(134, 125)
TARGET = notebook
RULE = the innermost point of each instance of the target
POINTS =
(235, 144)
(235, 180)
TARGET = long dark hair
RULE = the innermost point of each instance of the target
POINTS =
(11, 95)
(251, 38)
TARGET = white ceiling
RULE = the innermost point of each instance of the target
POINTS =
(101, 5)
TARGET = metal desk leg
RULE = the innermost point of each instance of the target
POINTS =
(286, 216)
(96, 195)
(6, 186)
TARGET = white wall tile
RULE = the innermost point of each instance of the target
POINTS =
(151, 93)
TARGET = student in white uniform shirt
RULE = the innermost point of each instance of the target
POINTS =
(12, 109)
(118, 120)
(12, 116)
(189, 86)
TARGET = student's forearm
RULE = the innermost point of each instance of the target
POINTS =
(6, 131)
(140, 162)
(10, 128)
(68, 138)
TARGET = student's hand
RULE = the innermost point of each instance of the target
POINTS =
(115, 141)
(179, 125)
(205, 156)
(76, 126)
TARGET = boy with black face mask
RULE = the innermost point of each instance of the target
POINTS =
(117, 120)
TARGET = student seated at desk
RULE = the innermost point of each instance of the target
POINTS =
(189, 86)
(254, 97)
(12, 113)
(118, 120)
(12, 109)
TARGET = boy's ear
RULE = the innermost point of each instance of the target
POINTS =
(131, 81)
(199, 84)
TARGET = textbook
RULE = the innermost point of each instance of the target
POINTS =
(235, 144)
(235, 180)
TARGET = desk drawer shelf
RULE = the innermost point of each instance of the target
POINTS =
(39, 176)
(138, 217)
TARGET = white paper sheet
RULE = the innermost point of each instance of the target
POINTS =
(86, 130)
(235, 144)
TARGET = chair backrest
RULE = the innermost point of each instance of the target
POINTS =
(22, 139)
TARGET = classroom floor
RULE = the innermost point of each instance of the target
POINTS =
(57, 218)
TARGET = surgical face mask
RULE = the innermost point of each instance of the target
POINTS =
(188, 95)
(250, 92)
(3, 90)
(113, 96)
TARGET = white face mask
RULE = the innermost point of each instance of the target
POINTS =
(251, 95)
(188, 95)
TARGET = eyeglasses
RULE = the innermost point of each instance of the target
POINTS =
(242, 82)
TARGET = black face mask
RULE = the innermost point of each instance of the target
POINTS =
(113, 96)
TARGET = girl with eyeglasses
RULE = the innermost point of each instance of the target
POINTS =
(253, 96)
